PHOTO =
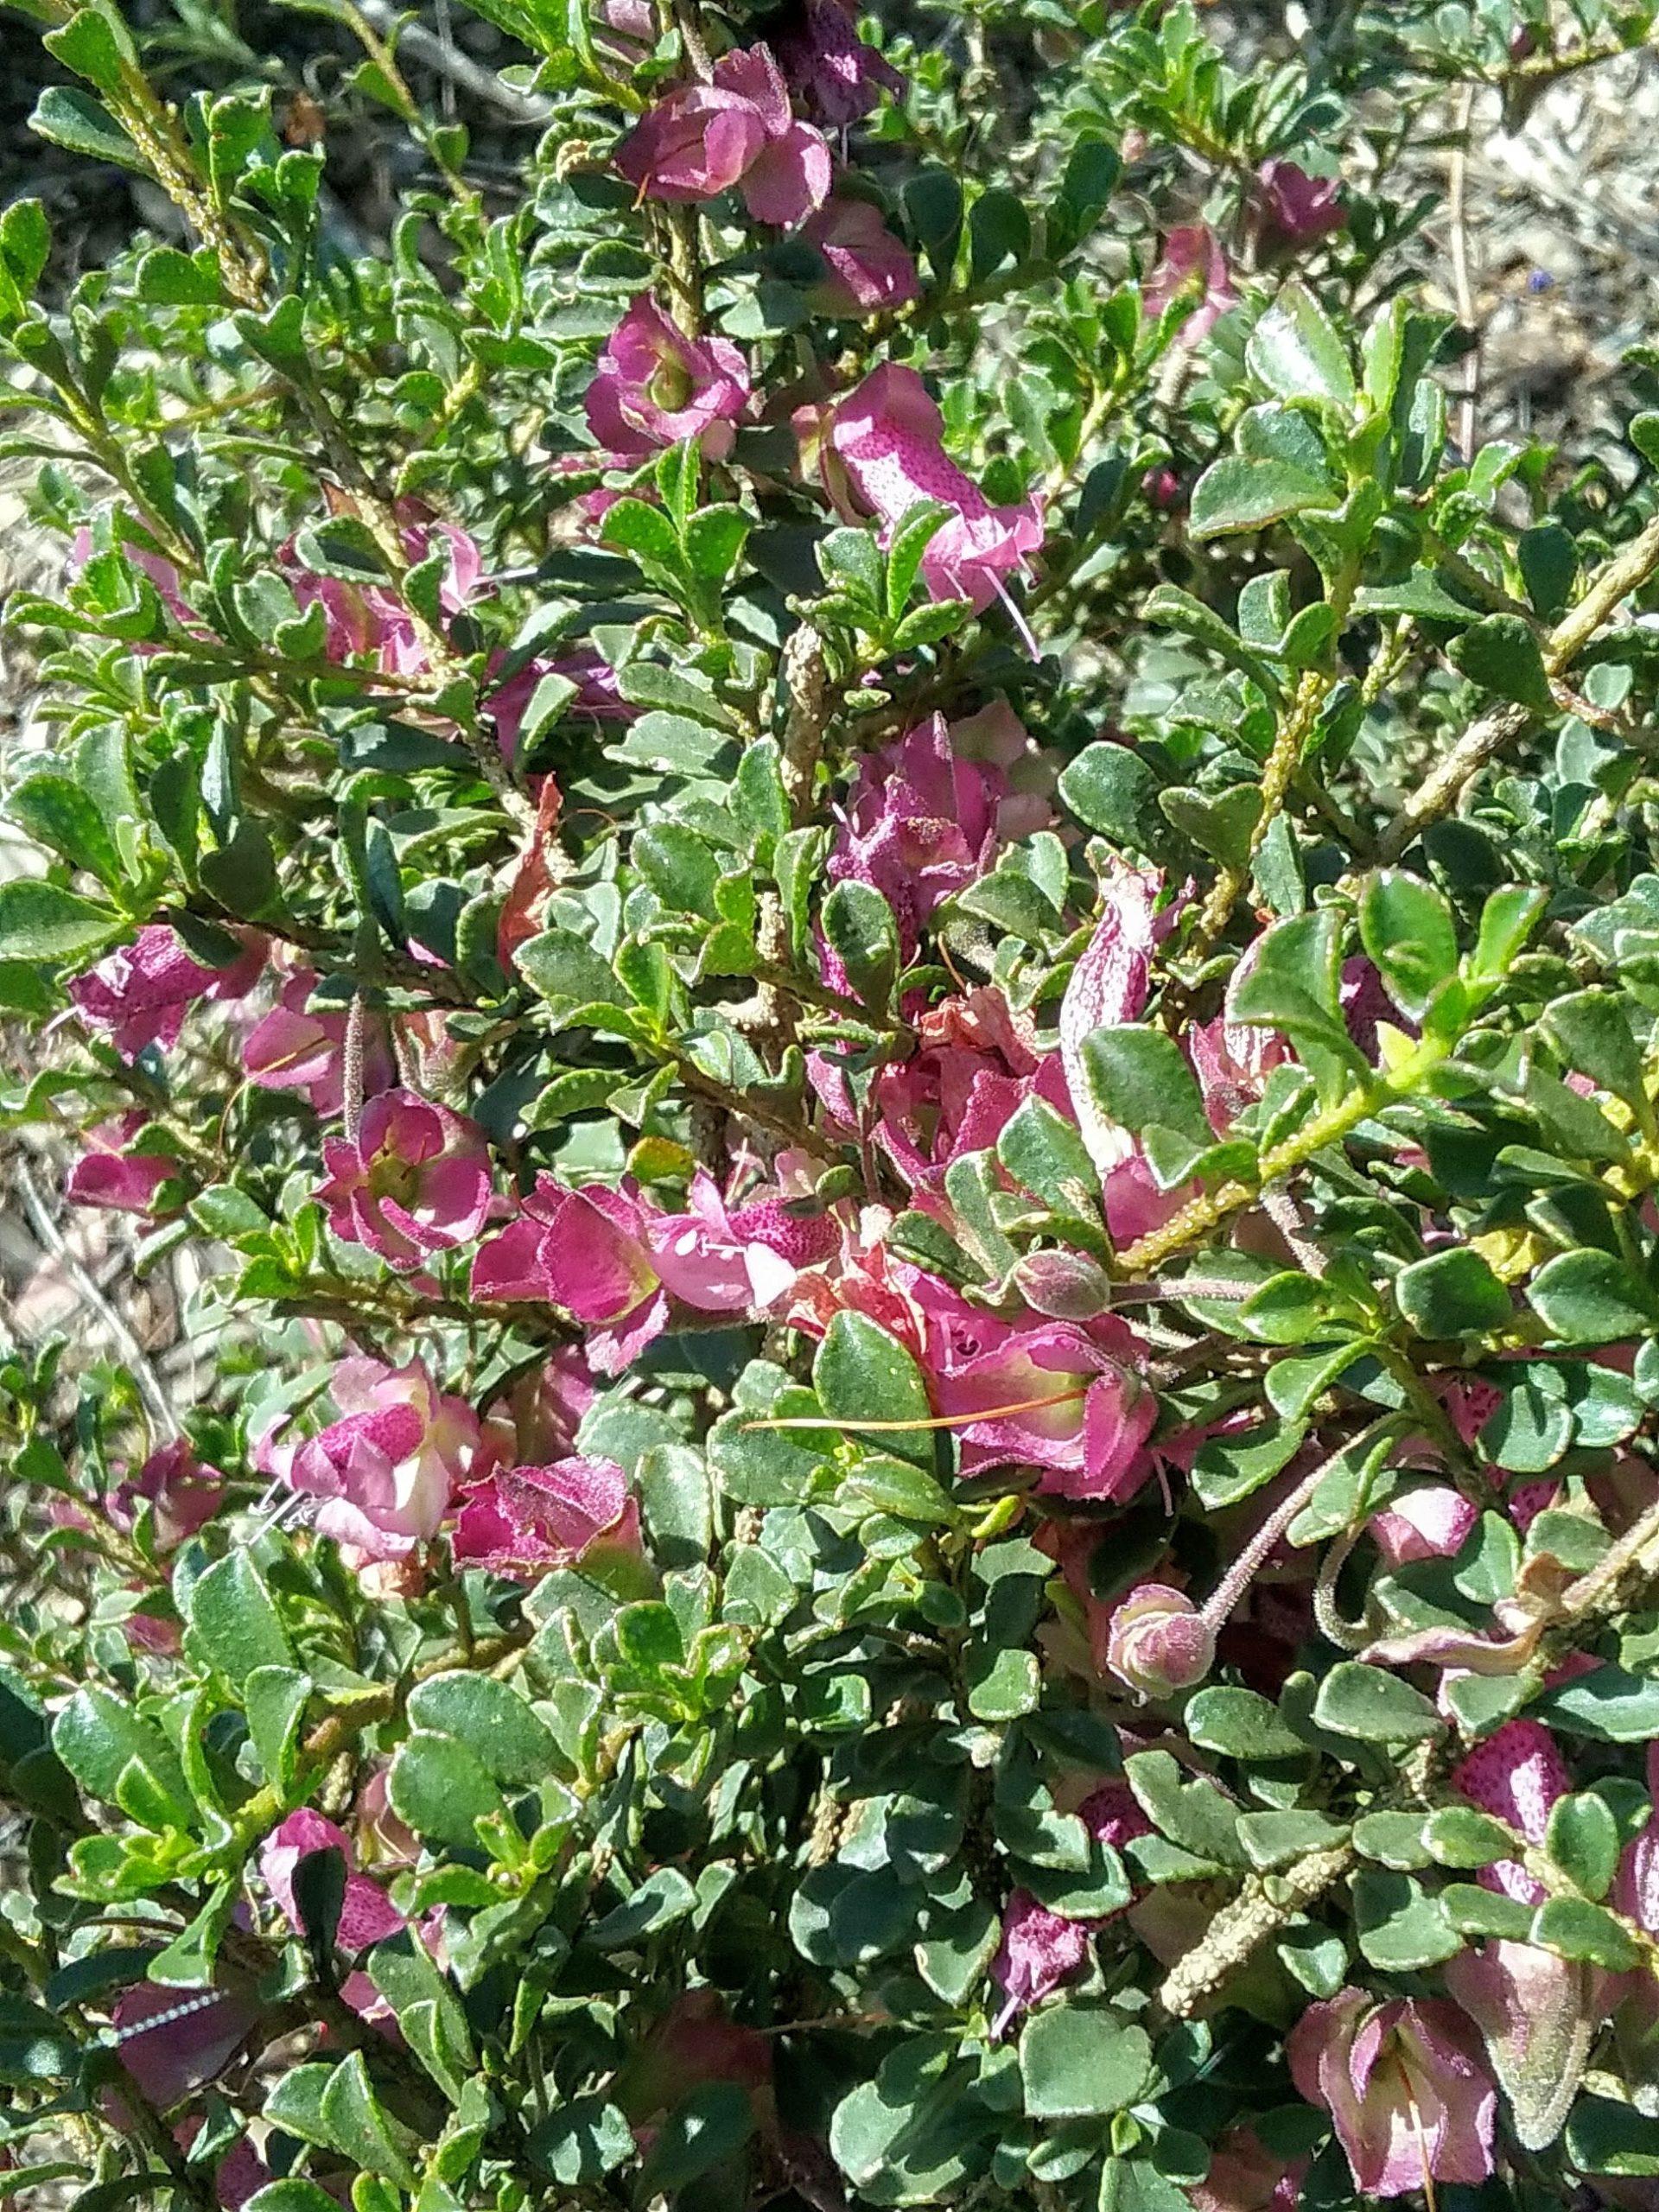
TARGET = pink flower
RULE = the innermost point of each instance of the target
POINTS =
(173, 2042)
(523, 1522)
(1108, 987)
(109, 1174)
(585, 1250)
(1192, 267)
(1049, 1395)
(161, 572)
(724, 1263)
(1244, 2175)
(655, 386)
(182, 1494)
(371, 621)
(1232, 1061)
(1429, 1522)
(838, 78)
(140, 995)
(596, 696)
(1039, 1951)
(1158, 1642)
(868, 268)
(386, 1469)
(538, 1419)
(739, 130)
(296, 1048)
(1636, 1892)
(1516, 1775)
(415, 1181)
(367, 1915)
(886, 438)
(1300, 209)
(1539, 2014)
(1406, 2086)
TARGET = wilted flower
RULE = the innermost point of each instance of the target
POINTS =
(1192, 266)
(884, 443)
(1244, 2175)
(110, 1173)
(139, 995)
(523, 1522)
(1430, 1521)
(1540, 2014)
(182, 1494)
(1297, 207)
(367, 1915)
(1160, 1642)
(868, 268)
(654, 386)
(838, 78)
(302, 1048)
(1406, 2086)
(1039, 1951)
(739, 130)
(173, 2042)
(416, 1180)
(386, 1470)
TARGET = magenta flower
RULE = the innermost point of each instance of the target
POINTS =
(523, 1522)
(140, 995)
(296, 1047)
(1428, 1523)
(1244, 2175)
(1406, 2086)
(109, 1174)
(416, 1180)
(1039, 1951)
(868, 268)
(1192, 267)
(369, 622)
(1297, 208)
(655, 386)
(1232, 1061)
(174, 2042)
(702, 139)
(182, 1494)
(161, 572)
(1516, 1775)
(1050, 1396)
(1108, 987)
(837, 77)
(385, 1470)
(1539, 2014)
(724, 1262)
(367, 1915)
(886, 439)
(1158, 1642)
(585, 1250)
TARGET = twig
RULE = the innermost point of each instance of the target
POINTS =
(143, 1374)
(1456, 185)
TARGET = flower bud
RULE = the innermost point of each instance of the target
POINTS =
(1160, 1642)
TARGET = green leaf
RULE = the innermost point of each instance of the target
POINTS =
(1295, 353)
(1591, 1298)
(861, 1374)
(1373, 1706)
(34, 2047)
(72, 118)
(1079, 2061)
(274, 1698)
(101, 1739)
(1591, 1032)
(582, 2140)
(662, 1900)
(1612, 1705)
(1235, 494)
(42, 921)
(1292, 1308)
(1292, 982)
(439, 1787)
(1575, 1928)
(713, 543)
(1583, 1839)
(1507, 921)
(53, 809)
(1501, 654)
(490, 1717)
(1452, 1294)
(1406, 930)
(1138, 1078)
(1220, 823)
(358, 2126)
(1044, 1152)
(1273, 1840)
(1241, 1724)
(1606, 2137)
(1458, 1835)
(705, 2129)
(234, 1622)
(1402, 1928)
(859, 925)
(1229, 1468)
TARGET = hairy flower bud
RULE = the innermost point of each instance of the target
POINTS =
(1160, 1642)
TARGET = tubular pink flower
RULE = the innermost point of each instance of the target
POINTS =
(299, 1048)
(1050, 1396)
(173, 2042)
(837, 77)
(416, 1180)
(868, 268)
(1405, 2085)
(183, 1494)
(585, 1250)
(1192, 266)
(386, 1470)
(111, 1175)
(1516, 1775)
(655, 386)
(887, 439)
(724, 1263)
(702, 139)
(1428, 1523)
(1298, 209)
(523, 1522)
(367, 1915)
(1539, 2014)
(1158, 1642)
(1039, 1951)
(140, 995)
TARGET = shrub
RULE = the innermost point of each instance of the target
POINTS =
(892, 961)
